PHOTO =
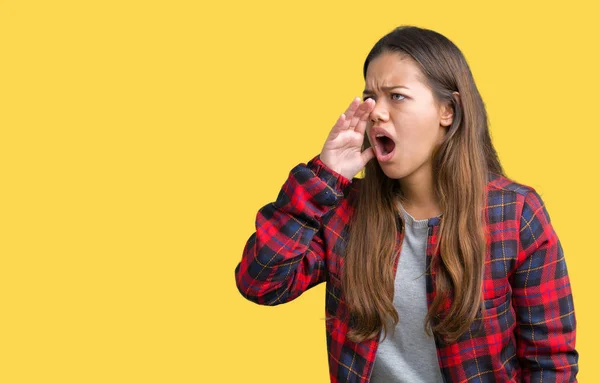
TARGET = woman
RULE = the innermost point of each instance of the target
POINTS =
(437, 266)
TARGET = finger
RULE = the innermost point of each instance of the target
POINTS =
(360, 112)
(367, 155)
(349, 113)
(340, 123)
(352, 108)
(364, 119)
(361, 126)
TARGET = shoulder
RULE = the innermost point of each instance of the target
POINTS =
(500, 183)
(500, 186)
(496, 183)
(504, 194)
(512, 200)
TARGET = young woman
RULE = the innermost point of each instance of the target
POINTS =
(438, 267)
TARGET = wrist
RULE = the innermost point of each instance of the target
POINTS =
(333, 169)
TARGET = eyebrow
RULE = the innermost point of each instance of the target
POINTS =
(386, 88)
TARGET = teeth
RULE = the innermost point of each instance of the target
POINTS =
(379, 135)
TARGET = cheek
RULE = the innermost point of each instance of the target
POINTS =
(417, 137)
(427, 128)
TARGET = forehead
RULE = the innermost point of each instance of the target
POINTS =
(392, 68)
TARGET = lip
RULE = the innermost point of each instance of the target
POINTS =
(377, 130)
(373, 134)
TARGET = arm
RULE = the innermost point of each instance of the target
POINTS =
(542, 300)
(286, 254)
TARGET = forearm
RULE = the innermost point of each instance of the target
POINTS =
(285, 255)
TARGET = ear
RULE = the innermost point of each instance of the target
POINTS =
(447, 112)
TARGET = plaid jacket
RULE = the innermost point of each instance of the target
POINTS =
(528, 323)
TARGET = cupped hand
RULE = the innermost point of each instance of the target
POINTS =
(342, 149)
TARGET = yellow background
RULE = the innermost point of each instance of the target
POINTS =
(139, 139)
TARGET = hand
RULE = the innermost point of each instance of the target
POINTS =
(342, 150)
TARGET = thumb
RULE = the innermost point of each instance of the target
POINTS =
(368, 154)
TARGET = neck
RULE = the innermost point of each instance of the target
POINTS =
(418, 194)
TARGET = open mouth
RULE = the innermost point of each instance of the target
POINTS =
(385, 144)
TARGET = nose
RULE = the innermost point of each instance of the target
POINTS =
(379, 113)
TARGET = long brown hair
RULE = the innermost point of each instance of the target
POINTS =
(460, 169)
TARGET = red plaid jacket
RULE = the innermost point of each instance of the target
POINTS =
(528, 324)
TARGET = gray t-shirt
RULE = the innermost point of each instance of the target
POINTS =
(408, 354)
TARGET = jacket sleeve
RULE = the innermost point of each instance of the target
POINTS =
(542, 300)
(285, 256)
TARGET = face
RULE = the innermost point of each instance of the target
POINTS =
(406, 112)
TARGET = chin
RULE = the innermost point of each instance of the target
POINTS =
(395, 171)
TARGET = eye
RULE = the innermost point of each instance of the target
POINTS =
(399, 95)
